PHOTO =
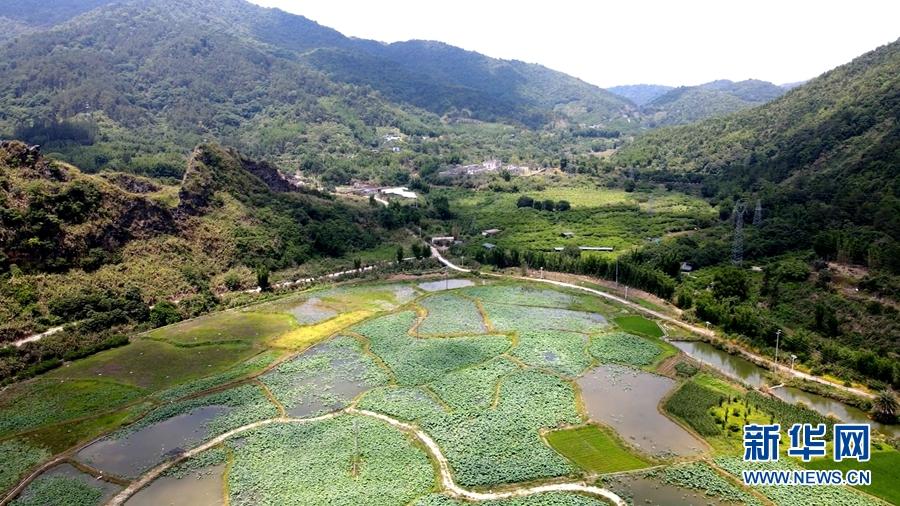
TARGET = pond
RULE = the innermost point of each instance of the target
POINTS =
(204, 487)
(445, 284)
(653, 491)
(828, 406)
(312, 311)
(138, 451)
(754, 375)
(627, 400)
(345, 381)
(734, 366)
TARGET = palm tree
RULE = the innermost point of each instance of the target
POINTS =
(884, 408)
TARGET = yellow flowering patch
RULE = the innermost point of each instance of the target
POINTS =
(306, 336)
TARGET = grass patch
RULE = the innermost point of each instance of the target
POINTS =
(155, 365)
(304, 337)
(885, 467)
(37, 403)
(594, 449)
(637, 324)
(58, 438)
(227, 326)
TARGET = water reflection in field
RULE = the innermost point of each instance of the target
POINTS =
(133, 453)
(627, 400)
(204, 487)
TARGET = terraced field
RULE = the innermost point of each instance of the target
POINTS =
(489, 393)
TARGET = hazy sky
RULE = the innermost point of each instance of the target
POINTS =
(626, 42)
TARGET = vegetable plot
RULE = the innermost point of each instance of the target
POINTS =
(417, 361)
(622, 348)
(347, 460)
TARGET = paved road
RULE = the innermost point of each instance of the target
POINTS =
(693, 328)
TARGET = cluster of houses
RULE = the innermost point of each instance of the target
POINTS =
(484, 167)
(379, 192)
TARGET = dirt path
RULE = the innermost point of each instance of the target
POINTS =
(37, 337)
(446, 477)
(759, 359)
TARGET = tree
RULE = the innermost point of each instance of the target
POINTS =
(262, 278)
(549, 205)
(164, 313)
(525, 201)
(630, 186)
(232, 281)
(563, 205)
(731, 282)
(400, 254)
(441, 207)
(571, 251)
(884, 408)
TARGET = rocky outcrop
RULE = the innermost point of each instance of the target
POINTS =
(269, 174)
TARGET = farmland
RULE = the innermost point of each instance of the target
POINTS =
(598, 216)
(385, 394)
(594, 449)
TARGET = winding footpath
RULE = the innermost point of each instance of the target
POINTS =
(759, 359)
(449, 486)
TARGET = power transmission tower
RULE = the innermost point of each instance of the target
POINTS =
(757, 214)
(737, 248)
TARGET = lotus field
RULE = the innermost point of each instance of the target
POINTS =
(383, 394)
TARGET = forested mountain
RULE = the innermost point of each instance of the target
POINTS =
(146, 79)
(825, 158)
(688, 104)
(640, 94)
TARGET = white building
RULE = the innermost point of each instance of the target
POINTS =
(400, 191)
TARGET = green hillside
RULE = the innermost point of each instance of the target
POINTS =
(688, 104)
(135, 85)
(822, 163)
(640, 94)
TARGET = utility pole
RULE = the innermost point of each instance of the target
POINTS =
(757, 214)
(617, 272)
(737, 248)
(777, 340)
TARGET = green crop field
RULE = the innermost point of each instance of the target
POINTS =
(885, 467)
(637, 324)
(155, 365)
(598, 217)
(594, 449)
(488, 374)
(227, 326)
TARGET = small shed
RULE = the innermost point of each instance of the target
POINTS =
(442, 241)
(489, 246)
(568, 235)
(686, 267)
(490, 232)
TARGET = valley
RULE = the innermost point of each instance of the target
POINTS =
(250, 259)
